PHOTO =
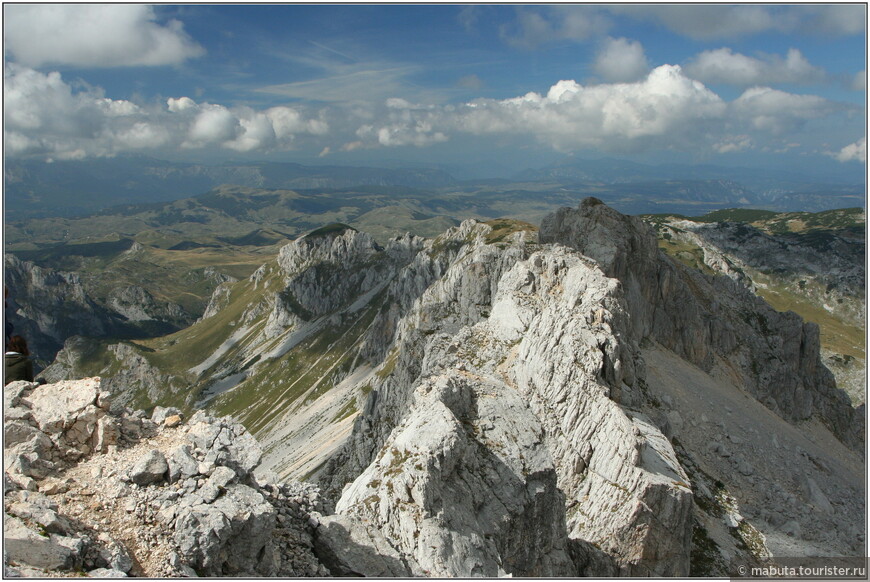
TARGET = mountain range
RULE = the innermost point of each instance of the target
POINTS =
(599, 396)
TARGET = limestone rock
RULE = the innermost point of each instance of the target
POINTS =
(706, 319)
(25, 546)
(230, 537)
(471, 454)
(348, 548)
(225, 443)
(149, 469)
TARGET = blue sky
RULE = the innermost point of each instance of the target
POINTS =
(513, 84)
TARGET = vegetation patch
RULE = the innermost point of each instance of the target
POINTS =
(688, 254)
(333, 229)
(389, 365)
(737, 215)
(705, 560)
(835, 334)
(502, 228)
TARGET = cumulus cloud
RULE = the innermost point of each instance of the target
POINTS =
(665, 110)
(405, 124)
(724, 66)
(44, 115)
(859, 81)
(621, 60)
(853, 152)
(94, 35)
(777, 112)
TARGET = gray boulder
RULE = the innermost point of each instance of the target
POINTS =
(22, 545)
(151, 468)
(230, 537)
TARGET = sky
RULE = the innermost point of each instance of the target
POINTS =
(504, 85)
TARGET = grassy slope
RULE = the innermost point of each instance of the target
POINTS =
(299, 376)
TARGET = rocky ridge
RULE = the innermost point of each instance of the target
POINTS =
(517, 396)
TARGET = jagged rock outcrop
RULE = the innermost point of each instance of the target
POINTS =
(126, 365)
(136, 304)
(834, 262)
(48, 306)
(114, 493)
(820, 271)
(549, 329)
(563, 327)
(465, 486)
(708, 320)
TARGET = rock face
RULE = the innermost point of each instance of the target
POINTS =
(136, 304)
(540, 338)
(822, 270)
(561, 326)
(708, 320)
(460, 503)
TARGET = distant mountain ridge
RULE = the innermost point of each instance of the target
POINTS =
(613, 170)
(74, 188)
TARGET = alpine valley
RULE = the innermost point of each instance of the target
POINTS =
(376, 381)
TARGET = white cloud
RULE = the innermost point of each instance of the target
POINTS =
(724, 66)
(621, 60)
(733, 143)
(43, 115)
(843, 19)
(777, 112)
(666, 110)
(859, 81)
(706, 21)
(94, 35)
(214, 124)
(853, 152)
(405, 124)
(180, 104)
(141, 135)
(352, 85)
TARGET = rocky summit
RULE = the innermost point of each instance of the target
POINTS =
(500, 400)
